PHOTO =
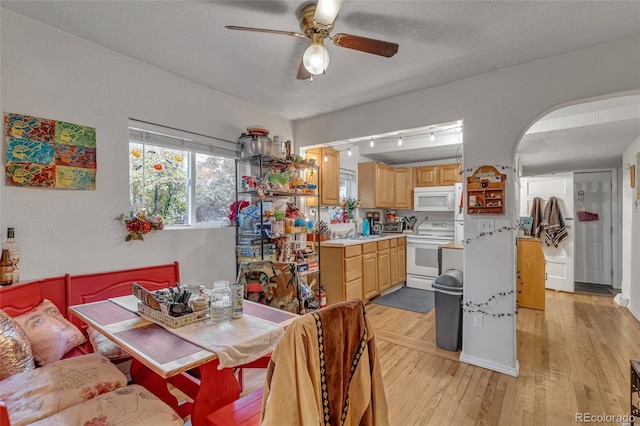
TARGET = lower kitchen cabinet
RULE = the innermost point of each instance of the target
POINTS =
(362, 270)
(384, 268)
(343, 279)
(369, 270)
(531, 274)
(393, 261)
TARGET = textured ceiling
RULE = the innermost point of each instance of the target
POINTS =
(440, 42)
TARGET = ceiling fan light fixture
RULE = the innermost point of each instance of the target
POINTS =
(326, 11)
(316, 58)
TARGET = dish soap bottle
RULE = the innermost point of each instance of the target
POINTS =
(14, 253)
(366, 227)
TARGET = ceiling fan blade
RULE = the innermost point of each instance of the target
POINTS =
(303, 74)
(263, 30)
(364, 44)
(326, 11)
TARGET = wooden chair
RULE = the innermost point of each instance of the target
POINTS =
(342, 372)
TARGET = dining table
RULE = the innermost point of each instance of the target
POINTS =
(198, 359)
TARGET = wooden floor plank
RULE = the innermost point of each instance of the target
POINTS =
(573, 357)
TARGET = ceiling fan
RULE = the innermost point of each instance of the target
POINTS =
(316, 22)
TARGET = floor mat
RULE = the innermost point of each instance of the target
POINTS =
(593, 288)
(409, 299)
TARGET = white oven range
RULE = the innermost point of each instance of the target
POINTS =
(422, 252)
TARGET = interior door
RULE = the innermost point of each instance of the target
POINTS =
(593, 227)
(559, 261)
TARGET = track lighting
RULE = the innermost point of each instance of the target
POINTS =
(349, 152)
(432, 138)
(400, 141)
(371, 144)
(326, 158)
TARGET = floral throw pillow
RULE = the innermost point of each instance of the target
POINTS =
(50, 334)
(14, 347)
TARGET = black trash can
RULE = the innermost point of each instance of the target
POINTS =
(448, 299)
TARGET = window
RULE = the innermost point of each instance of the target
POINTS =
(347, 183)
(186, 179)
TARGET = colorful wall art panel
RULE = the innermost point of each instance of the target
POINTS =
(49, 153)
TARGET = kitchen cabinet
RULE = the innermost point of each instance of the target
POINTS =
(438, 175)
(393, 261)
(369, 270)
(343, 280)
(366, 269)
(384, 187)
(384, 266)
(531, 274)
(402, 188)
(329, 179)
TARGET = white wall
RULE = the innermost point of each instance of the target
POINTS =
(497, 109)
(48, 73)
(631, 231)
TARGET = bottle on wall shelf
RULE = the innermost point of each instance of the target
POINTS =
(6, 268)
(14, 252)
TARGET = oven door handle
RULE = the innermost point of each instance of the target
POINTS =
(423, 243)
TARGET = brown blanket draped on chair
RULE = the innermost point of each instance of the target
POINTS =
(325, 371)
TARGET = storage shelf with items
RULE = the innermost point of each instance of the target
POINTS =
(486, 191)
(271, 196)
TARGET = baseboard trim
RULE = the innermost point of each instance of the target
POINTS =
(633, 311)
(490, 365)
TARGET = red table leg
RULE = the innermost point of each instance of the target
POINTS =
(217, 389)
(155, 384)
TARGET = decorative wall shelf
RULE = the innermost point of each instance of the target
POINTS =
(485, 191)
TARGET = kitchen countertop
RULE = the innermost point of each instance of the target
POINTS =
(454, 245)
(344, 242)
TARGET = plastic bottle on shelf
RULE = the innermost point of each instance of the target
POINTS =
(14, 253)
(221, 302)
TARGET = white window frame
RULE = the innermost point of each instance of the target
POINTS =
(156, 135)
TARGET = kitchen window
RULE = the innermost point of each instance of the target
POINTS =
(187, 179)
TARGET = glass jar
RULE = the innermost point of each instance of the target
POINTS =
(221, 307)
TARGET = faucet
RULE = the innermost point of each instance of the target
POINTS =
(350, 233)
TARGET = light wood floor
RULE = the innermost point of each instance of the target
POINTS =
(574, 357)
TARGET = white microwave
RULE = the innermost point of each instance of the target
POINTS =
(434, 199)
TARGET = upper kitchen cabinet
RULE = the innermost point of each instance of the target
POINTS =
(384, 187)
(402, 187)
(438, 175)
(329, 185)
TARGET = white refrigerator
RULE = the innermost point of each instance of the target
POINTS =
(458, 213)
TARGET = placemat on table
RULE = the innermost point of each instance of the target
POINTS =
(105, 312)
(157, 343)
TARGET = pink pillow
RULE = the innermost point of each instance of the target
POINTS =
(50, 334)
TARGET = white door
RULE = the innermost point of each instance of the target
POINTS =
(560, 260)
(593, 227)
